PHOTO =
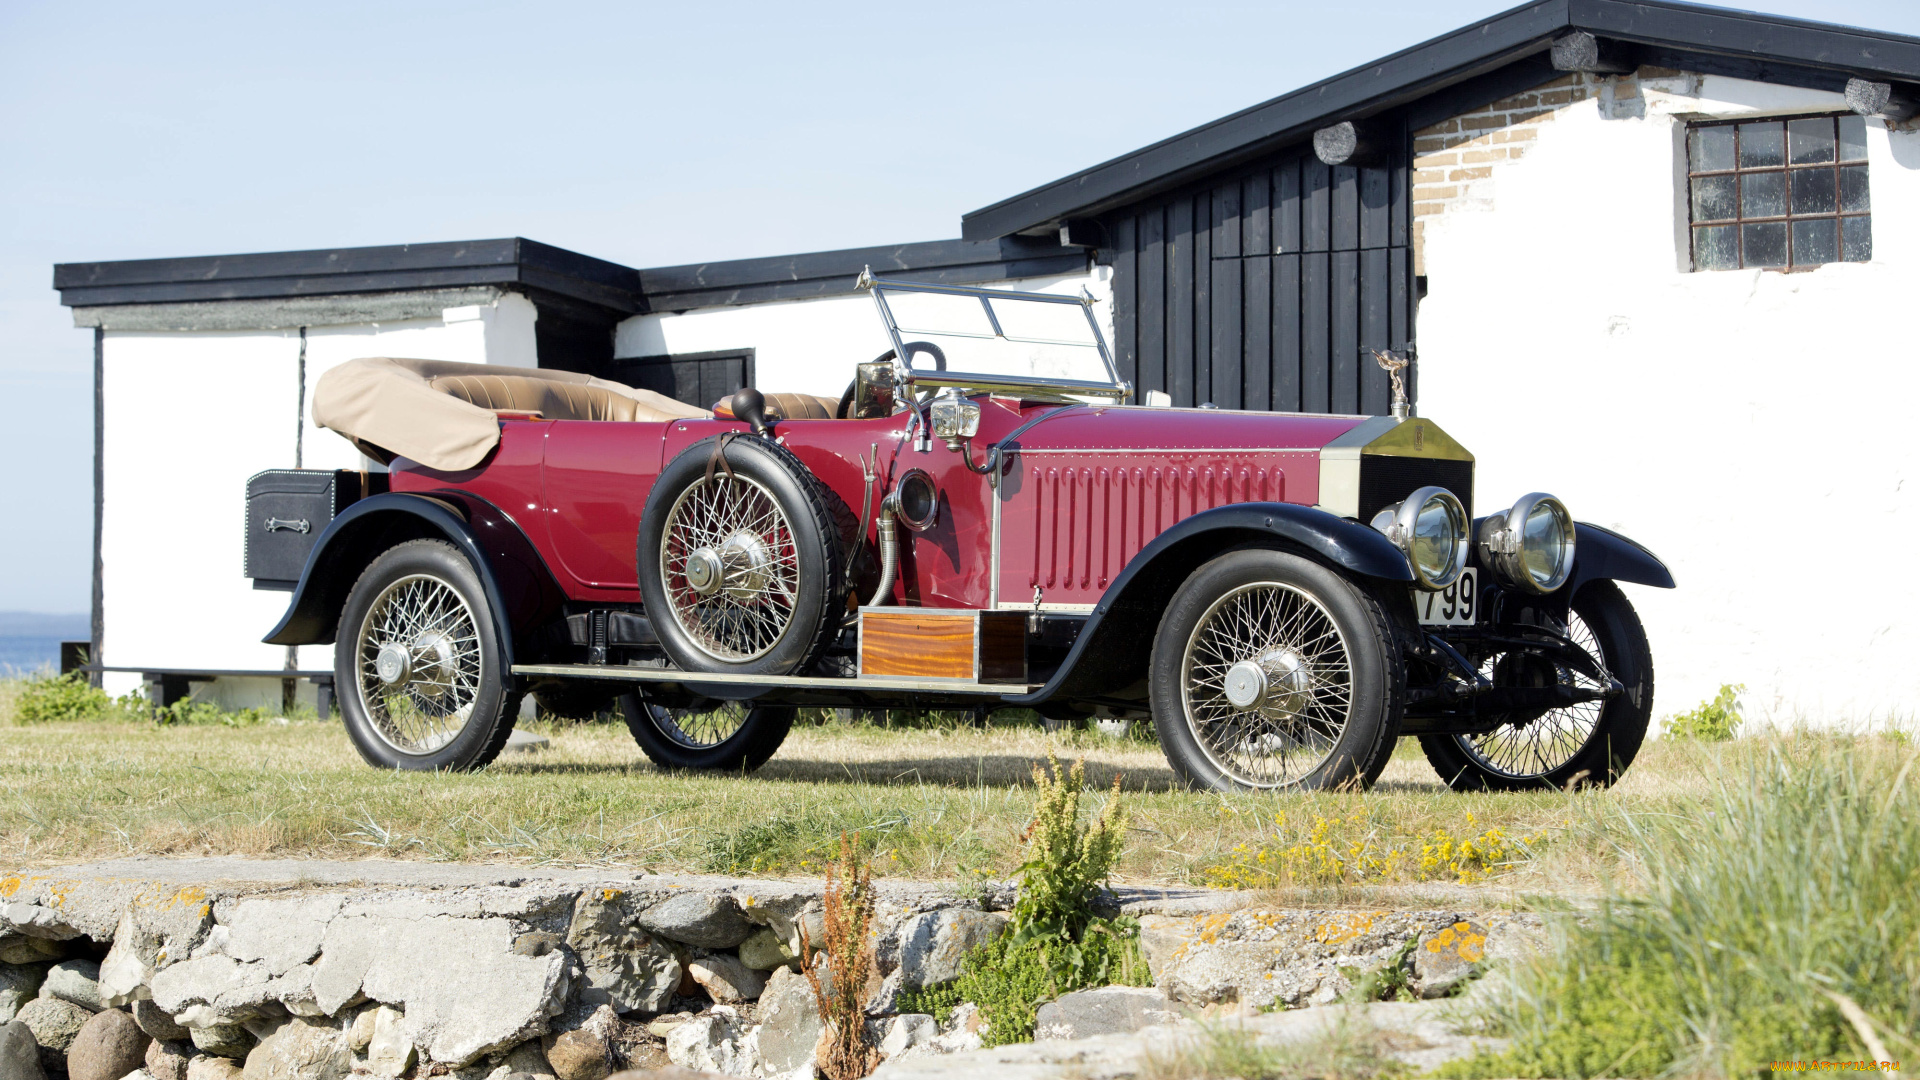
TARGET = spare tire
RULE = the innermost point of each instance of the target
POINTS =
(740, 564)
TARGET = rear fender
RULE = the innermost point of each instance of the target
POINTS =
(1111, 654)
(517, 581)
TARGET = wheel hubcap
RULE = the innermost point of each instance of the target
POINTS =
(393, 665)
(704, 572)
(1276, 683)
(730, 567)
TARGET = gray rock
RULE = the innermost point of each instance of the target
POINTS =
(156, 930)
(19, 984)
(54, 1024)
(398, 952)
(707, 920)
(904, 1033)
(580, 1055)
(281, 934)
(528, 1059)
(1446, 958)
(712, 1042)
(231, 988)
(223, 1040)
(301, 1049)
(932, 944)
(107, 1047)
(209, 1067)
(789, 1022)
(77, 981)
(764, 950)
(725, 979)
(156, 1022)
(20, 949)
(37, 920)
(390, 1051)
(19, 1053)
(1106, 1011)
(167, 1060)
(625, 966)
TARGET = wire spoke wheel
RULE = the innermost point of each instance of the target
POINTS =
(1533, 748)
(730, 567)
(1268, 683)
(418, 664)
(698, 729)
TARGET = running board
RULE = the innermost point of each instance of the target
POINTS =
(611, 672)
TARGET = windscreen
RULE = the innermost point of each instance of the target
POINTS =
(1041, 337)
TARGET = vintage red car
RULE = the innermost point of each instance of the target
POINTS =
(982, 521)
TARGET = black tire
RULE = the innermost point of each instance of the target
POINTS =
(659, 731)
(454, 704)
(1335, 669)
(778, 614)
(1581, 746)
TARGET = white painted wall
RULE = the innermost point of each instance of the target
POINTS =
(811, 346)
(189, 417)
(1748, 426)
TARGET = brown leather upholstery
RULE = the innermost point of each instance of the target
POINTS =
(555, 400)
(787, 407)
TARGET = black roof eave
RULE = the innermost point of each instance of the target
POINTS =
(1435, 65)
(342, 271)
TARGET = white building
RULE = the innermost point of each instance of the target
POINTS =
(1651, 258)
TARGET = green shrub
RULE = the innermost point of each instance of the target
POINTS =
(1713, 721)
(61, 697)
(1055, 942)
(1794, 890)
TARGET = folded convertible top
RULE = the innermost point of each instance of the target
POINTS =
(442, 414)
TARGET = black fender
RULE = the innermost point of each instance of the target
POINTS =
(519, 586)
(1604, 554)
(1112, 650)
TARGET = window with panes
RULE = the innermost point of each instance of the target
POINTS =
(1786, 194)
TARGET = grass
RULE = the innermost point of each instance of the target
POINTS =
(939, 802)
(1351, 1050)
(1777, 925)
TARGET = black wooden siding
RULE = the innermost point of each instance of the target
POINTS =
(1267, 289)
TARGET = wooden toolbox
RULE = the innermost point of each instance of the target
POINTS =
(961, 644)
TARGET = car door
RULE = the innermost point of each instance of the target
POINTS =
(596, 476)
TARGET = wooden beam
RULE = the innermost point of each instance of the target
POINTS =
(1352, 142)
(1882, 100)
(1581, 51)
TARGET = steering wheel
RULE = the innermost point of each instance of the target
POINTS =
(845, 409)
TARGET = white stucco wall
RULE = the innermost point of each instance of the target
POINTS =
(1748, 426)
(811, 346)
(189, 417)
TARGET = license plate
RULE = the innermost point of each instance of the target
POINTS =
(1451, 606)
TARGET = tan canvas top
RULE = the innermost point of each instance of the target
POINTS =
(440, 413)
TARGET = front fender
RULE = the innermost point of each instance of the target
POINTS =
(1602, 553)
(1112, 650)
(374, 524)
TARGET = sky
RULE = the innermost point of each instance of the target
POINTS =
(645, 134)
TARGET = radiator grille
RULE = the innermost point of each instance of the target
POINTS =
(1386, 480)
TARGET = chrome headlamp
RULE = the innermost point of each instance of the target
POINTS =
(1431, 526)
(1531, 545)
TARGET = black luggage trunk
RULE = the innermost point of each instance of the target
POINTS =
(287, 510)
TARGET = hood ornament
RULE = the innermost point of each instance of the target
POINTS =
(1394, 365)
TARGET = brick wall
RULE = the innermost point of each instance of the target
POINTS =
(1457, 161)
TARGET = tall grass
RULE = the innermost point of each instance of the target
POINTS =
(1762, 920)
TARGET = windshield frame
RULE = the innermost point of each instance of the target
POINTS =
(1114, 387)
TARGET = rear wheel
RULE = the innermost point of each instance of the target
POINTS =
(722, 736)
(419, 665)
(1587, 744)
(1269, 671)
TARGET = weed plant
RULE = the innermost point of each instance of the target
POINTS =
(845, 1053)
(1305, 850)
(1711, 721)
(1055, 942)
(1766, 920)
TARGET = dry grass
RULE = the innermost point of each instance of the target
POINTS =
(936, 804)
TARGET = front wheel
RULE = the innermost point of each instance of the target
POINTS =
(1269, 671)
(717, 736)
(1587, 744)
(418, 663)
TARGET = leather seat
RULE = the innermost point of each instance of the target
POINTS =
(556, 400)
(786, 407)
